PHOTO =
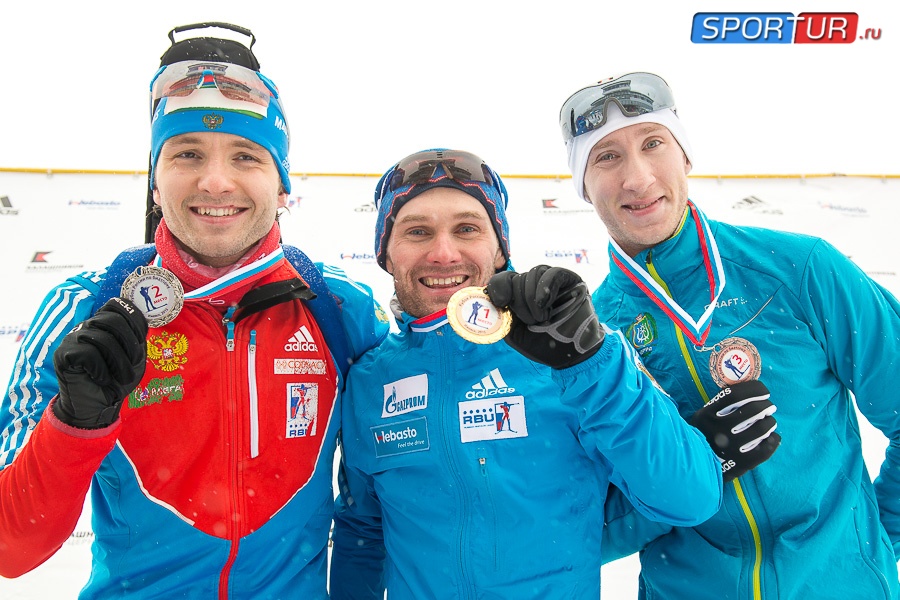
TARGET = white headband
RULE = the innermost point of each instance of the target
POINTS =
(579, 148)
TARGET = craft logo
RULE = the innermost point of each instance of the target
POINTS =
(580, 255)
(6, 207)
(780, 28)
(40, 263)
(91, 204)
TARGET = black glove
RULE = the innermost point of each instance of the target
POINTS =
(739, 425)
(554, 322)
(99, 363)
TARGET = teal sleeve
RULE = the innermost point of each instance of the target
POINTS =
(857, 322)
(625, 530)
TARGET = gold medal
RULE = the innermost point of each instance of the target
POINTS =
(473, 316)
(156, 292)
(733, 360)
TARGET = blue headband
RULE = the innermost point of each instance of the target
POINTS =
(269, 131)
(492, 195)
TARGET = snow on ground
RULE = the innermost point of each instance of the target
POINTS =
(53, 226)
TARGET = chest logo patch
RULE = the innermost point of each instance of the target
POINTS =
(494, 419)
(166, 351)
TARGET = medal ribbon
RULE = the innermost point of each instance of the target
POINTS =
(696, 331)
(233, 279)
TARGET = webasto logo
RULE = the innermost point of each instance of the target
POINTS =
(394, 436)
(478, 394)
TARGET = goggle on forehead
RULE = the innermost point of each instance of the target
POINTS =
(422, 167)
(635, 94)
(204, 84)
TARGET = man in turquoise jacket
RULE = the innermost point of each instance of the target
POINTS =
(708, 304)
(480, 467)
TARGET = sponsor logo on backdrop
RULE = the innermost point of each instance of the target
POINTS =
(779, 28)
(849, 211)
(17, 332)
(756, 204)
(366, 257)
(6, 207)
(92, 204)
(42, 262)
(368, 207)
(551, 207)
(579, 255)
(293, 201)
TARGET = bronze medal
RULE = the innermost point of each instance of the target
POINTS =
(734, 359)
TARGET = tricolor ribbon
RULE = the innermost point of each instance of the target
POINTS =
(697, 330)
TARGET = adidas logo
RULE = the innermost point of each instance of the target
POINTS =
(491, 384)
(301, 341)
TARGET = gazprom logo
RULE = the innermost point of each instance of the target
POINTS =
(405, 395)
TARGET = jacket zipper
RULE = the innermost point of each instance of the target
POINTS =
(739, 491)
(225, 574)
(482, 460)
(254, 397)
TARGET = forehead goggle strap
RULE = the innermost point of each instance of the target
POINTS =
(635, 94)
(432, 165)
(204, 84)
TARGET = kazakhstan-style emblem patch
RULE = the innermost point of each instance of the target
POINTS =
(642, 333)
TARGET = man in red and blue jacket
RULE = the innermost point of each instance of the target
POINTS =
(208, 479)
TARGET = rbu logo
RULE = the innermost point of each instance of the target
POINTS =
(776, 28)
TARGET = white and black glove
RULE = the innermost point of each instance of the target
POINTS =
(99, 363)
(554, 322)
(739, 426)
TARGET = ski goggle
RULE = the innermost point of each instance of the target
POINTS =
(422, 167)
(635, 94)
(204, 84)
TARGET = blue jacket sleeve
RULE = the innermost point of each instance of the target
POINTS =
(358, 550)
(857, 322)
(365, 321)
(662, 465)
(33, 380)
(625, 530)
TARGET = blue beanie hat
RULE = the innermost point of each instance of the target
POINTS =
(206, 109)
(490, 193)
